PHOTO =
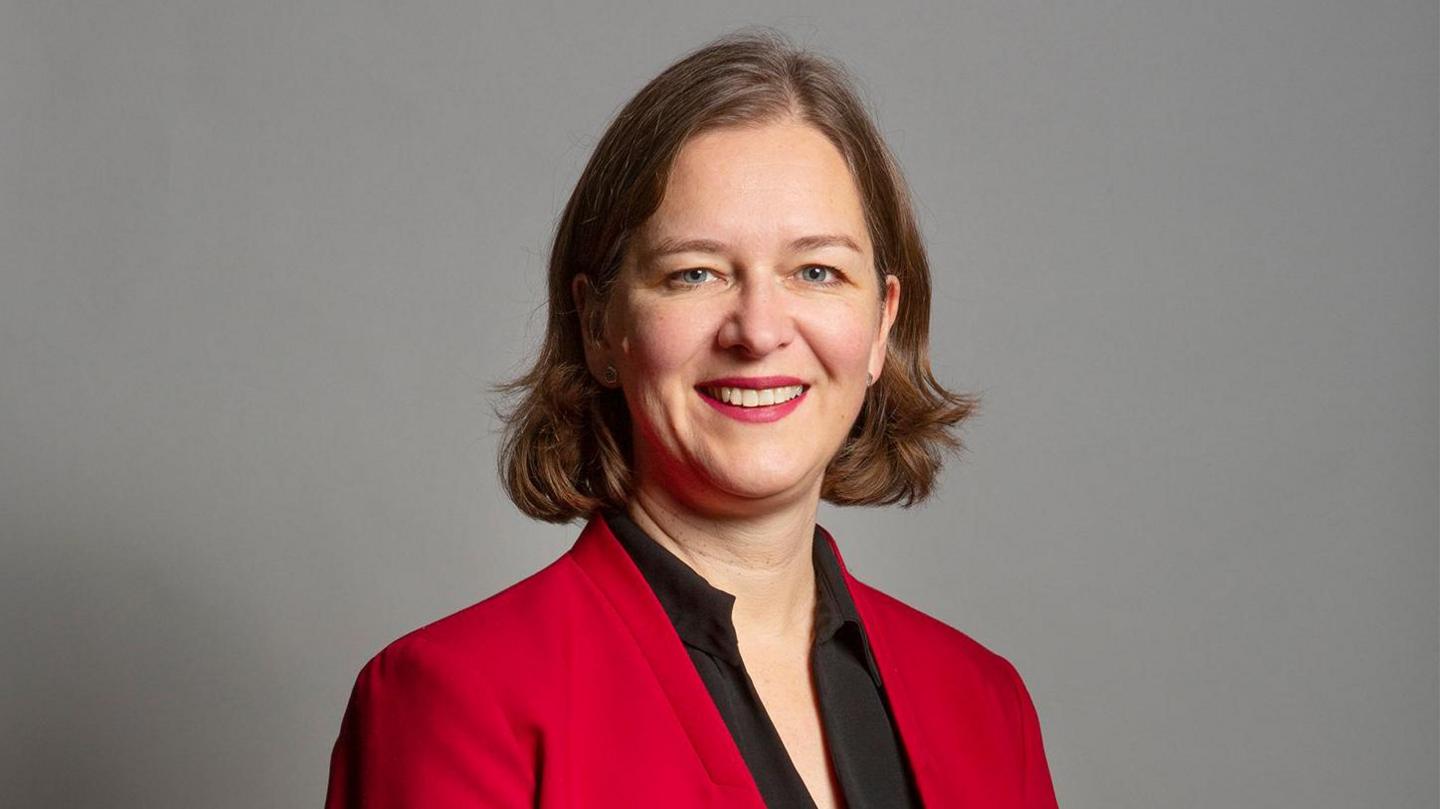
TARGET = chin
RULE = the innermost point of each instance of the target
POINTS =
(744, 482)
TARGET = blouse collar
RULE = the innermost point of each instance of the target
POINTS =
(701, 612)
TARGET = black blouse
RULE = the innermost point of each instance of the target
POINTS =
(859, 731)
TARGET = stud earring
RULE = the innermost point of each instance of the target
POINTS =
(610, 375)
(869, 379)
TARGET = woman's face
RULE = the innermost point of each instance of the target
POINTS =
(746, 317)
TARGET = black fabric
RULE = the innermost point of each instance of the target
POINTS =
(864, 748)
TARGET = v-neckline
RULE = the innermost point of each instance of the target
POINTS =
(605, 562)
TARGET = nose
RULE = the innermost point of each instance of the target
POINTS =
(759, 321)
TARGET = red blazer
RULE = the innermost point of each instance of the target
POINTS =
(571, 688)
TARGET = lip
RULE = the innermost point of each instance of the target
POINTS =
(752, 382)
(753, 415)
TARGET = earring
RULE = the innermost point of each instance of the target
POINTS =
(610, 375)
(869, 379)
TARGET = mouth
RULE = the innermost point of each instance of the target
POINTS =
(761, 399)
(752, 397)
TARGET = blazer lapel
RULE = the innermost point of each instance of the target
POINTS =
(605, 562)
(903, 701)
(602, 558)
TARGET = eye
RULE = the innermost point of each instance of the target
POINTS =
(819, 274)
(693, 277)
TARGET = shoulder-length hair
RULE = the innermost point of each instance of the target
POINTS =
(566, 445)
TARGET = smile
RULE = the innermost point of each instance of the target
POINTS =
(751, 397)
(754, 400)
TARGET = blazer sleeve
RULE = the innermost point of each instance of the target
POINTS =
(1038, 790)
(424, 730)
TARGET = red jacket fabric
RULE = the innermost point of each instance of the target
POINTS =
(571, 688)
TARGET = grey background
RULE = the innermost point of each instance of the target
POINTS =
(261, 261)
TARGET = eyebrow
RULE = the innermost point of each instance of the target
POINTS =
(666, 247)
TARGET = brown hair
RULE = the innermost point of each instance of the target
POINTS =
(566, 445)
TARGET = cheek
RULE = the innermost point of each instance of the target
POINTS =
(842, 339)
(662, 343)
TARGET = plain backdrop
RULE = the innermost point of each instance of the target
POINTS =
(260, 263)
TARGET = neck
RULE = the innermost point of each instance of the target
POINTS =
(763, 559)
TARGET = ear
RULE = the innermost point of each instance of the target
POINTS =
(582, 292)
(889, 306)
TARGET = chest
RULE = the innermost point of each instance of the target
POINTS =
(783, 680)
(629, 722)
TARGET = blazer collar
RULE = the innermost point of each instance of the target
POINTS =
(904, 704)
(609, 567)
(601, 557)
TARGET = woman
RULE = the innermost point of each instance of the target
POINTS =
(739, 304)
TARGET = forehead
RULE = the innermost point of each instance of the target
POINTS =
(769, 182)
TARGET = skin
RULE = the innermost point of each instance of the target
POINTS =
(737, 501)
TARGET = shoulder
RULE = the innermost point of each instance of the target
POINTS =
(485, 642)
(937, 656)
(973, 698)
(441, 716)
(962, 685)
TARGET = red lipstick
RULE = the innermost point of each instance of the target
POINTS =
(760, 413)
(754, 382)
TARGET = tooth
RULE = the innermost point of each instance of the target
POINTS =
(755, 397)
